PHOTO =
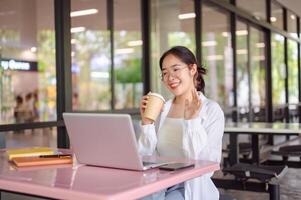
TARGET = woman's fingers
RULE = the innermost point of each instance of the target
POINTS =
(144, 101)
(195, 98)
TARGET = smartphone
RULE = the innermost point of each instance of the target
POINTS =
(176, 166)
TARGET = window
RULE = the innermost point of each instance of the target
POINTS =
(27, 61)
(258, 74)
(251, 72)
(127, 54)
(91, 57)
(293, 93)
(172, 24)
(278, 77)
(217, 55)
(242, 71)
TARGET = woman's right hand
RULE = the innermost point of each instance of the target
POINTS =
(143, 104)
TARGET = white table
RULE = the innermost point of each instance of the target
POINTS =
(255, 129)
(263, 128)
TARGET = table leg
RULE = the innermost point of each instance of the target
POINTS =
(233, 149)
(274, 190)
(255, 149)
(271, 139)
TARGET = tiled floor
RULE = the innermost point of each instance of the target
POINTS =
(290, 184)
(36, 137)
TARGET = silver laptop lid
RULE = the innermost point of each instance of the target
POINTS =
(106, 140)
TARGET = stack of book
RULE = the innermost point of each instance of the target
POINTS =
(37, 156)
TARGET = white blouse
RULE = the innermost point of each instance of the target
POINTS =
(201, 140)
(170, 138)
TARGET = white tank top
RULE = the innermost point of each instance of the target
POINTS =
(170, 138)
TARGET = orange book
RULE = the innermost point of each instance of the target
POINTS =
(34, 161)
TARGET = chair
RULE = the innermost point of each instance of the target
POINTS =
(245, 149)
(263, 173)
(288, 151)
(244, 172)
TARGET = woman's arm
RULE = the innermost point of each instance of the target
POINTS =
(148, 140)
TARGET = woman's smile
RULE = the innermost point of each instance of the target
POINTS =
(173, 85)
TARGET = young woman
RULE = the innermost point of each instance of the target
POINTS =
(190, 125)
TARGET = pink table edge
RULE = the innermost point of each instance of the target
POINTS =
(13, 184)
(55, 192)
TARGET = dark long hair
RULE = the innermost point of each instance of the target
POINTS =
(187, 57)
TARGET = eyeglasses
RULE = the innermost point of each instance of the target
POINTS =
(174, 72)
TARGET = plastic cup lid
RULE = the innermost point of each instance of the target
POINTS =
(157, 95)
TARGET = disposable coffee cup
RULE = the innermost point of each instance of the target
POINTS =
(154, 106)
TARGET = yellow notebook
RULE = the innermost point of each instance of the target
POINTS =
(35, 161)
(27, 152)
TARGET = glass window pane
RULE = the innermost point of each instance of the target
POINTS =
(172, 24)
(276, 15)
(292, 24)
(242, 72)
(278, 76)
(127, 54)
(217, 55)
(27, 61)
(258, 74)
(292, 52)
(256, 8)
(91, 60)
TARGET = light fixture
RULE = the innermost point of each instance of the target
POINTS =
(242, 32)
(293, 17)
(225, 34)
(259, 58)
(273, 19)
(73, 41)
(83, 12)
(33, 49)
(100, 75)
(77, 29)
(260, 45)
(124, 51)
(209, 43)
(241, 51)
(214, 57)
(186, 16)
(135, 43)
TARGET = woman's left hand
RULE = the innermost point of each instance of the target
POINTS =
(193, 107)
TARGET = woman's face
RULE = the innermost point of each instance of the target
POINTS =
(177, 76)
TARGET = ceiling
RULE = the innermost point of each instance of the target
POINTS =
(294, 5)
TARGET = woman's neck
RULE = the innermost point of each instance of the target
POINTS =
(181, 98)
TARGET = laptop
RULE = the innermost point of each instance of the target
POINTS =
(106, 140)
